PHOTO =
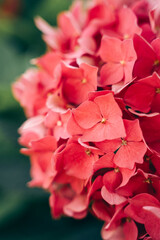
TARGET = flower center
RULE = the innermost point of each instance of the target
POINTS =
(128, 219)
(147, 159)
(148, 180)
(59, 123)
(124, 142)
(122, 62)
(103, 120)
(88, 152)
(116, 170)
(158, 90)
(126, 36)
(156, 63)
(84, 80)
(68, 106)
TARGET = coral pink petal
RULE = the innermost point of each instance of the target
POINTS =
(130, 230)
(155, 44)
(105, 161)
(68, 24)
(56, 102)
(49, 62)
(128, 51)
(139, 96)
(77, 207)
(110, 50)
(101, 210)
(90, 74)
(109, 145)
(145, 57)
(51, 119)
(93, 95)
(110, 130)
(97, 185)
(128, 72)
(113, 234)
(152, 221)
(137, 203)
(126, 175)
(72, 126)
(133, 130)
(111, 73)
(128, 155)
(112, 198)
(108, 106)
(155, 107)
(127, 16)
(151, 132)
(112, 180)
(75, 158)
(87, 114)
(43, 25)
(47, 143)
(88, 44)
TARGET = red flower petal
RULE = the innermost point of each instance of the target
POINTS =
(87, 114)
(111, 73)
(112, 180)
(152, 221)
(127, 155)
(130, 230)
(112, 198)
(135, 208)
(110, 50)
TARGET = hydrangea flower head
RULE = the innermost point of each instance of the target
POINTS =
(92, 103)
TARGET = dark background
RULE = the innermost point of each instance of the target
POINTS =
(24, 212)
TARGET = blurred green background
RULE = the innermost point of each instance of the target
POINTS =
(24, 212)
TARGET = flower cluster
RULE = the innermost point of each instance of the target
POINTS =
(93, 109)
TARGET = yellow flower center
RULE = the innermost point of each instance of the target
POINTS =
(116, 170)
(124, 142)
(156, 63)
(148, 180)
(84, 80)
(103, 120)
(59, 123)
(126, 36)
(158, 90)
(122, 62)
(88, 152)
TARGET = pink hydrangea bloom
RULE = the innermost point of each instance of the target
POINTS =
(92, 103)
